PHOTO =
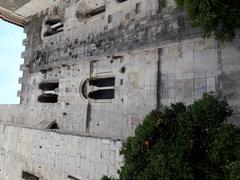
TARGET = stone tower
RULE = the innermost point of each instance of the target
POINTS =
(92, 70)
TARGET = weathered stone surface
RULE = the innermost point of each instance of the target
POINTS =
(152, 56)
(12, 5)
(49, 155)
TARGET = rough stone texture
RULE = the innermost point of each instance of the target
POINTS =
(12, 5)
(26, 8)
(53, 156)
(188, 69)
(155, 56)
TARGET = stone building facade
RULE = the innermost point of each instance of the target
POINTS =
(92, 70)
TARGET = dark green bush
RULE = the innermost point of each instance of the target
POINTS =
(218, 17)
(184, 143)
(106, 178)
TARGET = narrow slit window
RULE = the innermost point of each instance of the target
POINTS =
(72, 177)
(138, 8)
(97, 11)
(102, 94)
(48, 98)
(29, 176)
(103, 82)
(110, 19)
(161, 5)
(120, 1)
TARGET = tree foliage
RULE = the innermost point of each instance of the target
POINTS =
(218, 17)
(184, 143)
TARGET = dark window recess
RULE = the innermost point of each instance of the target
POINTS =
(161, 5)
(97, 11)
(110, 19)
(53, 20)
(102, 94)
(72, 177)
(29, 176)
(123, 69)
(54, 30)
(117, 57)
(48, 98)
(54, 26)
(120, 1)
(138, 8)
(48, 86)
(47, 95)
(103, 82)
(54, 125)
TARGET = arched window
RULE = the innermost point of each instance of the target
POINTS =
(49, 92)
(98, 88)
(54, 25)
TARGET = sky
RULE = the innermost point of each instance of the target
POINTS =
(11, 37)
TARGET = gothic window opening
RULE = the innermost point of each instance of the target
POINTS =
(29, 176)
(98, 88)
(54, 25)
(49, 92)
(102, 88)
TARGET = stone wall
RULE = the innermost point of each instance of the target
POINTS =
(54, 156)
(175, 72)
(94, 69)
(152, 78)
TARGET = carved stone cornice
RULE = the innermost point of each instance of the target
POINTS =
(13, 17)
